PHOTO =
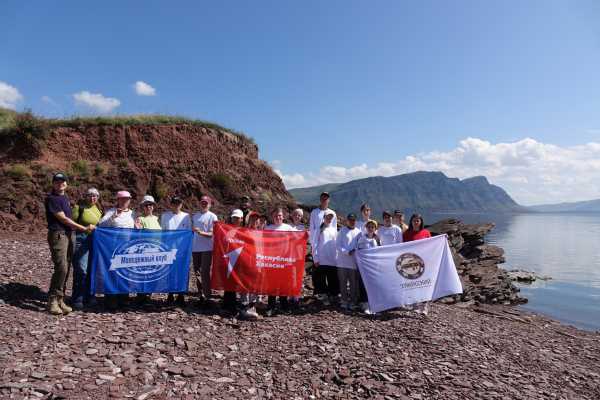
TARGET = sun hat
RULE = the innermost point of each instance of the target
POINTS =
(148, 199)
(123, 194)
(237, 213)
(59, 176)
(93, 192)
(371, 221)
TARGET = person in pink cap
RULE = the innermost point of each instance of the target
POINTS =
(202, 225)
(120, 216)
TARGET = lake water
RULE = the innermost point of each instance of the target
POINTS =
(564, 246)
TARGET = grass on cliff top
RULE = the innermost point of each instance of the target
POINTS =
(9, 122)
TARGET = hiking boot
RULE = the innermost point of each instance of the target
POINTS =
(170, 299)
(54, 307)
(180, 301)
(65, 308)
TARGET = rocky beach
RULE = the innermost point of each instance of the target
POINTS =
(467, 350)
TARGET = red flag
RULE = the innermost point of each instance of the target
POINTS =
(261, 262)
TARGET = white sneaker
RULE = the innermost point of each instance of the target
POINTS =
(249, 313)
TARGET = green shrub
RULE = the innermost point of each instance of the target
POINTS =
(18, 171)
(122, 164)
(31, 131)
(220, 181)
(99, 169)
(80, 168)
(159, 190)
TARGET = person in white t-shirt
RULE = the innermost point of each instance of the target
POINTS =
(316, 218)
(399, 220)
(202, 225)
(365, 240)
(248, 300)
(120, 216)
(346, 264)
(297, 223)
(173, 220)
(365, 215)
(388, 233)
(277, 224)
(325, 277)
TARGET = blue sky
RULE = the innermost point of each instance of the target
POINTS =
(337, 90)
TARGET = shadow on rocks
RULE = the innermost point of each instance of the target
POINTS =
(27, 297)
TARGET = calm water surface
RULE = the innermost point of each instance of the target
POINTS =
(565, 247)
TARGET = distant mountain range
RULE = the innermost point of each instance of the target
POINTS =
(579, 206)
(418, 191)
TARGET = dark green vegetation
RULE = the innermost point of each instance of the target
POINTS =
(13, 124)
(417, 191)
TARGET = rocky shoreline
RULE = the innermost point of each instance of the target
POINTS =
(469, 350)
(478, 264)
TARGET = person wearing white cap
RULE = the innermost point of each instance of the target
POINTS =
(325, 276)
(202, 225)
(120, 216)
(297, 216)
(88, 211)
(229, 298)
(147, 220)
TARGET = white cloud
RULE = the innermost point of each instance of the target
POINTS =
(144, 89)
(530, 171)
(96, 101)
(9, 96)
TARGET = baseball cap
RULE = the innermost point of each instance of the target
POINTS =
(59, 176)
(386, 213)
(123, 194)
(205, 198)
(351, 216)
(148, 199)
(93, 192)
(324, 194)
(237, 213)
(246, 198)
(176, 200)
(398, 212)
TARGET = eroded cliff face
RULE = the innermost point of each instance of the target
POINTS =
(164, 160)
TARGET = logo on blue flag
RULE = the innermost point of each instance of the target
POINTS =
(140, 261)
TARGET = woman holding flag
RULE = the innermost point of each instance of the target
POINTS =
(277, 225)
(366, 240)
(416, 231)
(325, 277)
(120, 216)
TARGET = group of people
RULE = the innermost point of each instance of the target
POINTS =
(335, 274)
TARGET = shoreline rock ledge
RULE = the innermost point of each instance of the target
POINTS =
(477, 264)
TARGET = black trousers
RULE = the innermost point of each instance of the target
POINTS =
(362, 292)
(283, 302)
(325, 280)
(229, 300)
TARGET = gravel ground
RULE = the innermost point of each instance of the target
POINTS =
(457, 352)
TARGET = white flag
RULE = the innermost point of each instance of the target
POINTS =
(408, 273)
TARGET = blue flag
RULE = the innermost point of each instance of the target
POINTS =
(140, 261)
